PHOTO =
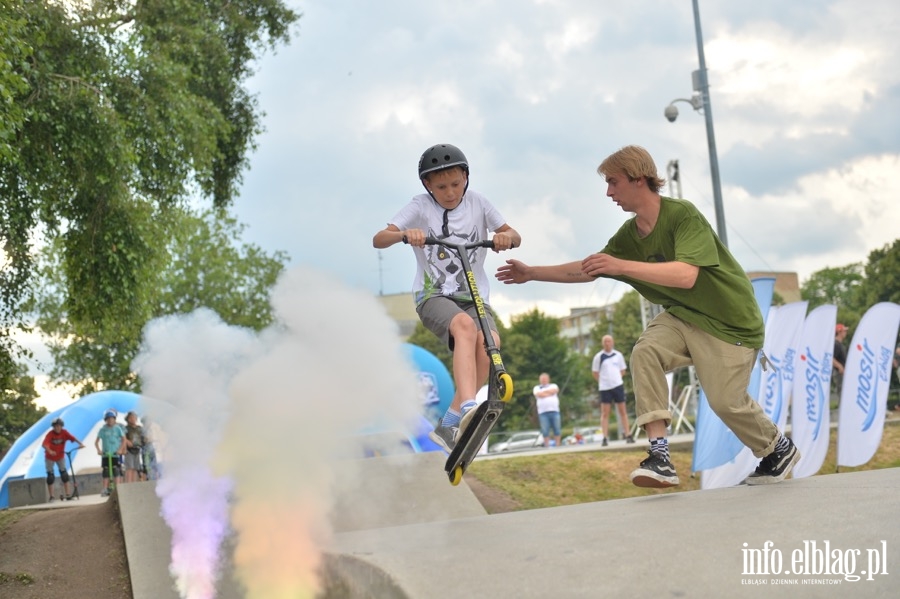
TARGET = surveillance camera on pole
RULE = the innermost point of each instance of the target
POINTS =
(671, 113)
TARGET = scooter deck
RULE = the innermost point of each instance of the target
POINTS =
(468, 445)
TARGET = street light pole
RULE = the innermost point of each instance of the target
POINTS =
(703, 86)
(699, 101)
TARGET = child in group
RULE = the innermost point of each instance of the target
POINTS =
(112, 437)
(148, 453)
(134, 444)
(450, 210)
(55, 453)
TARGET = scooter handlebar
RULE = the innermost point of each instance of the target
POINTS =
(487, 243)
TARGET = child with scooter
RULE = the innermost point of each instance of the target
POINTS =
(55, 454)
(452, 212)
(110, 444)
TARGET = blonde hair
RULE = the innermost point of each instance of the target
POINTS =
(636, 163)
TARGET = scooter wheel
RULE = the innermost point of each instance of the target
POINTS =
(506, 387)
(456, 476)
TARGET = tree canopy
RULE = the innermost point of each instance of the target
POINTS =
(111, 113)
(206, 265)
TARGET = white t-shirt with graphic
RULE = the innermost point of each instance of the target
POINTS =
(610, 366)
(439, 271)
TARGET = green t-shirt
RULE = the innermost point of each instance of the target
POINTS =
(722, 301)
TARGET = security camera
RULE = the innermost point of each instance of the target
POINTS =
(671, 113)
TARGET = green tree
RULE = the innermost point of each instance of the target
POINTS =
(17, 408)
(532, 345)
(206, 266)
(838, 286)
(882, 276)
(110, 112)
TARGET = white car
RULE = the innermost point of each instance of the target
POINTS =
(519, 441)
(584, 434)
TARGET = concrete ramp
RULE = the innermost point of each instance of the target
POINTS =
(398, 490)
(434, 543)
(373, 493)
(692, 544)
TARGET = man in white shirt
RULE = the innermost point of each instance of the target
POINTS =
(547, 396)
(608, 369)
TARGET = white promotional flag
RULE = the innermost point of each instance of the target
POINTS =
(810, 404)
(867, 375)
(783, 329)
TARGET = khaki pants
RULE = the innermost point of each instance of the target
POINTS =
(722, 368)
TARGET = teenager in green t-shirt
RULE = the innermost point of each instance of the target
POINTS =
(669, 253)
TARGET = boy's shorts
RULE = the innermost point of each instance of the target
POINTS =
(105, 465)
(60, 464)
(437, 312)
(133, 461)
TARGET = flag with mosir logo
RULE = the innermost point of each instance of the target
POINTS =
(867, 376)
(811, 401)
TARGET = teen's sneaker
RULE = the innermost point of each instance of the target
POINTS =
(604, 443)
(656, 472)
(104, 493)
(445, 436)
(775, 467)
(629, 439)
(467, 412)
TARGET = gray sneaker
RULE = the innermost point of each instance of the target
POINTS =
(468, 412)
(445, 436)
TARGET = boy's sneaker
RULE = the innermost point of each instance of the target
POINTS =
(775, 467)
(445, 436)
(104, 493)
(604, 443)
(655, 472)
(467, 412)
(629, 439)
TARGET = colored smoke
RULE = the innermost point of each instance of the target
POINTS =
(287, 403)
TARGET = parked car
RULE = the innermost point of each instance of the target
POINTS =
(519, 441)
(584, 434)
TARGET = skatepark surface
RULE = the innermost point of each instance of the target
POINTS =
(435, 541)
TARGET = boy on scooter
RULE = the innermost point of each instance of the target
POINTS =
(450, 210)
(55, 453)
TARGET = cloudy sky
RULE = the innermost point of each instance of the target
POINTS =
(805, 97)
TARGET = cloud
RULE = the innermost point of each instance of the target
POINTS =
(537, 95)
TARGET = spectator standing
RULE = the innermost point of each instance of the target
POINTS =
(134, 444)
(150, 465)
(55, 454)
(547, 396)
(609, 369)
(839, 357)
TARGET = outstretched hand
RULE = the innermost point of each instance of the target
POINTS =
(514, 271)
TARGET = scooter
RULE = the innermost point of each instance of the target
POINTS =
(479, 422)
(75, 494)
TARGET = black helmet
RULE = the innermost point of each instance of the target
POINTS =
(58, 421)
(441, 156)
